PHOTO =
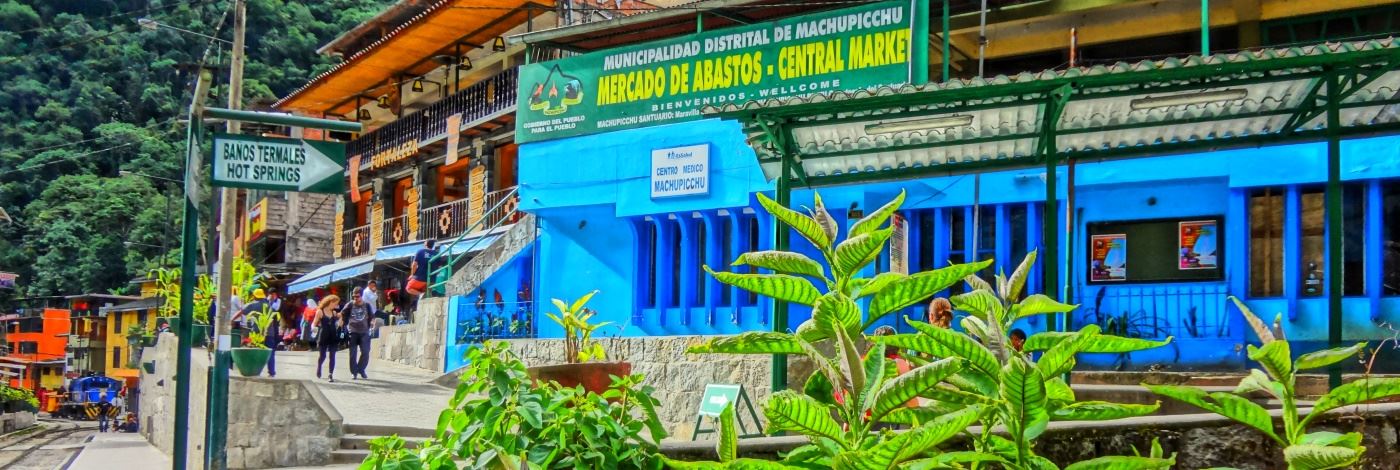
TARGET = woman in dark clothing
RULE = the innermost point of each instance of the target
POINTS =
(328, 339)
(272, 338)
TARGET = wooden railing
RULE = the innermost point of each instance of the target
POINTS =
(477, 101)
(356, 242)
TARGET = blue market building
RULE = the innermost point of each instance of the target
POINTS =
(1242, 147)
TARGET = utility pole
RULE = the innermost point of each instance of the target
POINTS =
(217, 427)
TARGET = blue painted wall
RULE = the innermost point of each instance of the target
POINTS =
(596, 213)
(468, 322)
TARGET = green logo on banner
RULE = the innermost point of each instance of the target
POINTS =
(670, 81)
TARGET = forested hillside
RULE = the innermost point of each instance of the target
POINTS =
(86, 93)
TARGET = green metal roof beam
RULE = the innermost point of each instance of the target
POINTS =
(951, 108)
(935, 95)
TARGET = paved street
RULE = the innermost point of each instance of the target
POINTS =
(118, 451)
(394, 394)
(49, 445)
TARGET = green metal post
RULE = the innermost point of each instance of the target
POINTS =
(188, 277)
(1205, 28)
(919, 62)
(283, 119)
(947, 43)
(782, 242)
(699, 23)
(1334, 227)
(1051, 212)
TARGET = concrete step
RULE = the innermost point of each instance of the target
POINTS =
(382, 430)
(360, 441)
(348, 456)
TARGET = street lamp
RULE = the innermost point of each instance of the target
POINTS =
(165, 228)
(152, 25)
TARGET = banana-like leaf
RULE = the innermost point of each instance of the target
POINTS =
(1057, 390)
(1040, 304)
(1059, 359)
(1359, 391)
(819, 388)
(1101, 410)
(781, 261)
(1017, 282)
(1349, 440)
(874, 220)
(728, 445)
(1327, 357)
(877, 370)
(958, 344)
(1230, 406)
(561, 305)
(1023, 390)
(753, 342)
(839, 381)
(1275, 357)
(943, 394)
(923, 414)
(1257, 380)
(1266, 335)
(579, 303)
(739, 464)
(876, 284)
(979, 303)
(687, 465)
(848, 359)
(836, 311)
(974, 381)
(856, 252)
(915, 288)
(953, 460)
(789, 411)
(804, 225)
(810, 333)
(1123, 462)
(807, 453)
(823, 218)
(1101, 343)
(976, 283)
(914, 442)
(898, 391)
(1316, 457)
(778, 286)
(974, 326)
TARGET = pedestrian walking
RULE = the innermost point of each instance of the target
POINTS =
(104, 408)
(357, 320)
(308, 324)
(377, 317)
(328, 332)
(418, 283)
(272, 338)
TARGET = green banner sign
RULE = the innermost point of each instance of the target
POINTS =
(670, 81)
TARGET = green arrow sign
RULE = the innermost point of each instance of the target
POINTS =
(306, 166)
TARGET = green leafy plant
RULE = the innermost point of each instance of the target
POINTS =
(1018, 393)
(18, 398)
(579, 345)
(167, 286)
(262, 324)
(501, 419)
(855, 389)
(1302, 450)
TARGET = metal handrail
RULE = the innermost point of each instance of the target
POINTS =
(446, 250)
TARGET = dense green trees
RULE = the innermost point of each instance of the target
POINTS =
(86, 93)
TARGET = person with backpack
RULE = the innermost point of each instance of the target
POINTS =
(358, 317)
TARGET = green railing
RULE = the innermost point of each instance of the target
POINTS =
(501, 213)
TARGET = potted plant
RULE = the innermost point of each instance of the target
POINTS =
(583, 356)
(250, 360)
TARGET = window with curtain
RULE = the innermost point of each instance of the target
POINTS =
(1266, 242)
(1312, 215)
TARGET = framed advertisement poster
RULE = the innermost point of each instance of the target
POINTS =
(1197, 247)
(1109, 258)
(899, 244)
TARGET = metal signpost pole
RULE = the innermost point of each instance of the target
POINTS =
(188, 277)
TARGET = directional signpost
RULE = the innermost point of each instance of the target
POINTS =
(242, 161)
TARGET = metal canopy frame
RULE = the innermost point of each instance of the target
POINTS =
(1335, 73)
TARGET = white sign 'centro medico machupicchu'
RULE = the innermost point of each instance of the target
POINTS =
(308, 166)
(680, 171)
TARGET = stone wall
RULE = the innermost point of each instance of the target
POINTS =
(272, 423)
(311, 221)
(1199, 440)
(11, 422)
(679, 378)
(280, 423)
(418, 344)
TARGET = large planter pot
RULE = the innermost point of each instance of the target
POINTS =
(593, 376)
(199, 334)
(250, 361)
(148, 341)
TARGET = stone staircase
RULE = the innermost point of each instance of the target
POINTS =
(354, 445)
(488, 261)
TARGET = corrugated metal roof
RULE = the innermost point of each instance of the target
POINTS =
(1001, 117)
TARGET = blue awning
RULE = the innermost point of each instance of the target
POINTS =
(473, 243)
(331, 272)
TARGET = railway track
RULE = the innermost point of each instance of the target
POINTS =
(49, 448)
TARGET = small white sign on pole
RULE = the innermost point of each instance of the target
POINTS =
(680, 171)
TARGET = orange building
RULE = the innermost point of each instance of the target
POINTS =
(38, 346)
